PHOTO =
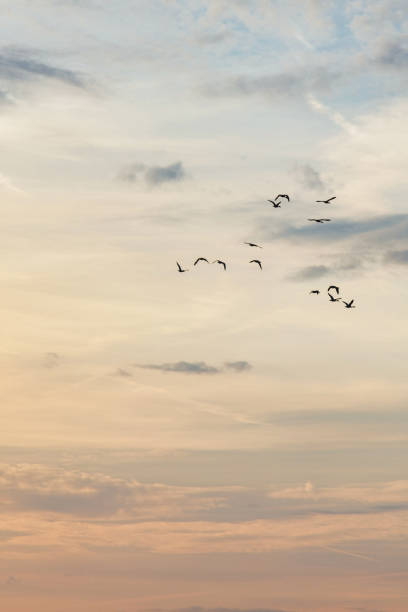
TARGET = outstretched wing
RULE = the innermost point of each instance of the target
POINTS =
(337, 290)
(179, 267)
(257, 262)
(330, 199)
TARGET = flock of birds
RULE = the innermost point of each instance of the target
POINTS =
(276, 203)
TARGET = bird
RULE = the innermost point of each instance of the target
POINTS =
(220, 262)
(275, 204)
(316, 291)
(180, 269)
(348, 304)
(256, 261)
(337, 290)
(333, 299)
(319, 220)
(200, 259)
(252, 244)
(283, 195)
(327, 201)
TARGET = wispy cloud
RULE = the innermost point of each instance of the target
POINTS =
(310, 273)
(309, 177)
(397, 257)
(19, 64)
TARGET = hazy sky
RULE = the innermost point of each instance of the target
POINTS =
(212, 441)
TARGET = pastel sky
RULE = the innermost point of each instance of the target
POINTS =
(213, 441)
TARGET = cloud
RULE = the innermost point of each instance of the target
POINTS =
(213, 38)
(280, 85)
(200, 609)
(123, 373)
(311, 272)
(393, 53)
(163, 174)
(18, 65)
(379, 230)
(131, 173)
(397, 257)
(51, 360)
(186, 367)
(309, 177)
(197, 367)
(153, 175)
(238, 366)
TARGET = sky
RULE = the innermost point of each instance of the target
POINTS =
(211, 441)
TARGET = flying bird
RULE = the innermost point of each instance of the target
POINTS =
(275, 204)
(252, 244)
(256, 261)
(316, 291)
(348, 304)
(337, 290)
(327, 201)
(333, 299)
(180, 269)
(283, 195)
(200, 259)
(319, 220)
(220, 262)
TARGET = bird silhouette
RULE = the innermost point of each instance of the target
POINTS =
(200, 259)
(337, 290)
(180, 269)
(348, 304)
(333, 299)
(283, 195)
(220, 262)
(327, 201)
(316, 291)
(256, 261)
(319, 220)
(252, 244)
(275, 204)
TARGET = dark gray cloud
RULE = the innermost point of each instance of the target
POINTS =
(344, 264)
(309, 177)
(197, 367)
(310, 273)
(397, 257)
(156, 175)
(378, 230)
(393, 53)
(284, 84)
(238, 366)
(185, 367)
(19, 64)
(153, 175)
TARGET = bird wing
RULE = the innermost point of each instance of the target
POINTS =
(256, 261)
(178, 265)
(325, 219)
(224, 264)
(352, 302)
(330, 199)
(335, 288)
